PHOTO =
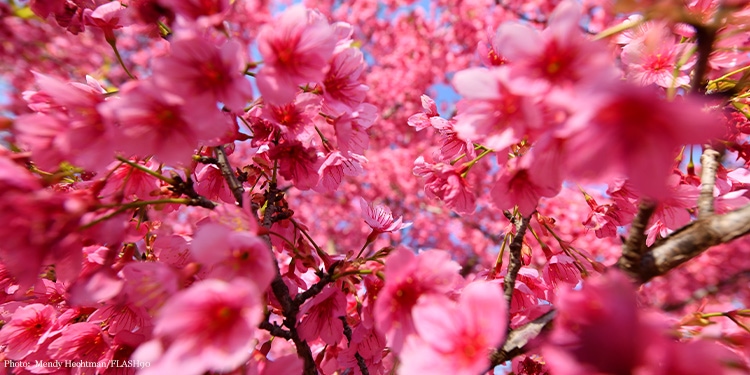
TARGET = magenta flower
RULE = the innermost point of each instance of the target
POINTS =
(82, 342)
(653, 58)
(444, 181)
(229, 254)
(197, 67)
(297, 163)
(495, 111)
(296, 50)
(153, 121)
(207, 327)
(455, 338)
(632, 131)
(21, 335)
(322, 319)
(380, 218)
(408, 278)
(518, 187)
(343, 91)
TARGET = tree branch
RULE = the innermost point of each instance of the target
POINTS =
(226, 170)
(635, 245)
(518, 338)
(692, 240)
(509, 283)
(360, 360)
(281, 290)
(709, 164)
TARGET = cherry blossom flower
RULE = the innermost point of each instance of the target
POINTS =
(126, 183)
(601, 137)
(322, 319)
(82, 342)
(494, 110)
(297, 163)
(205, 328)
(206, 13)
(558, 56)
(343, 90)
(409, 277)
(336, 166)
(229, 254)
(197, 67)
(296, 50)
(653, 58)
(107, 17)
(517, 187)
(380, 218)
(456, 338)
(22, 334)
(444, 181)
(369, 344)
(153, 120)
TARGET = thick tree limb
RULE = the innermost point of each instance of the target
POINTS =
(709, 164)
(635, 245)
(692, 240)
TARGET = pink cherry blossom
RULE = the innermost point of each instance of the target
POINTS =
(299, 164)
(494, 112)
(197, 67)
(322, 320)
(150, 118)
(409, 278)
(206, 327)
(605, 140)
(557, 56)
(343, 88)
(296, 50)
(107, 17)
(654, 58)
(517, 187)
(456, 339)
(230, 254)
(82, 342)
(380, 218)
(444, 181)
(23, 332)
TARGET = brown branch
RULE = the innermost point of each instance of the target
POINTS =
(281, 290)
(360, 359)
(635, 246)
(705, 37)
(518, 338)
(709, 164)
(509, 283)
(275, 329)
(226, 170)
(692, 240)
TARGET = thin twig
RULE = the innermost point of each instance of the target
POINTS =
(275, 330)
(360, 360)
(709, 165)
